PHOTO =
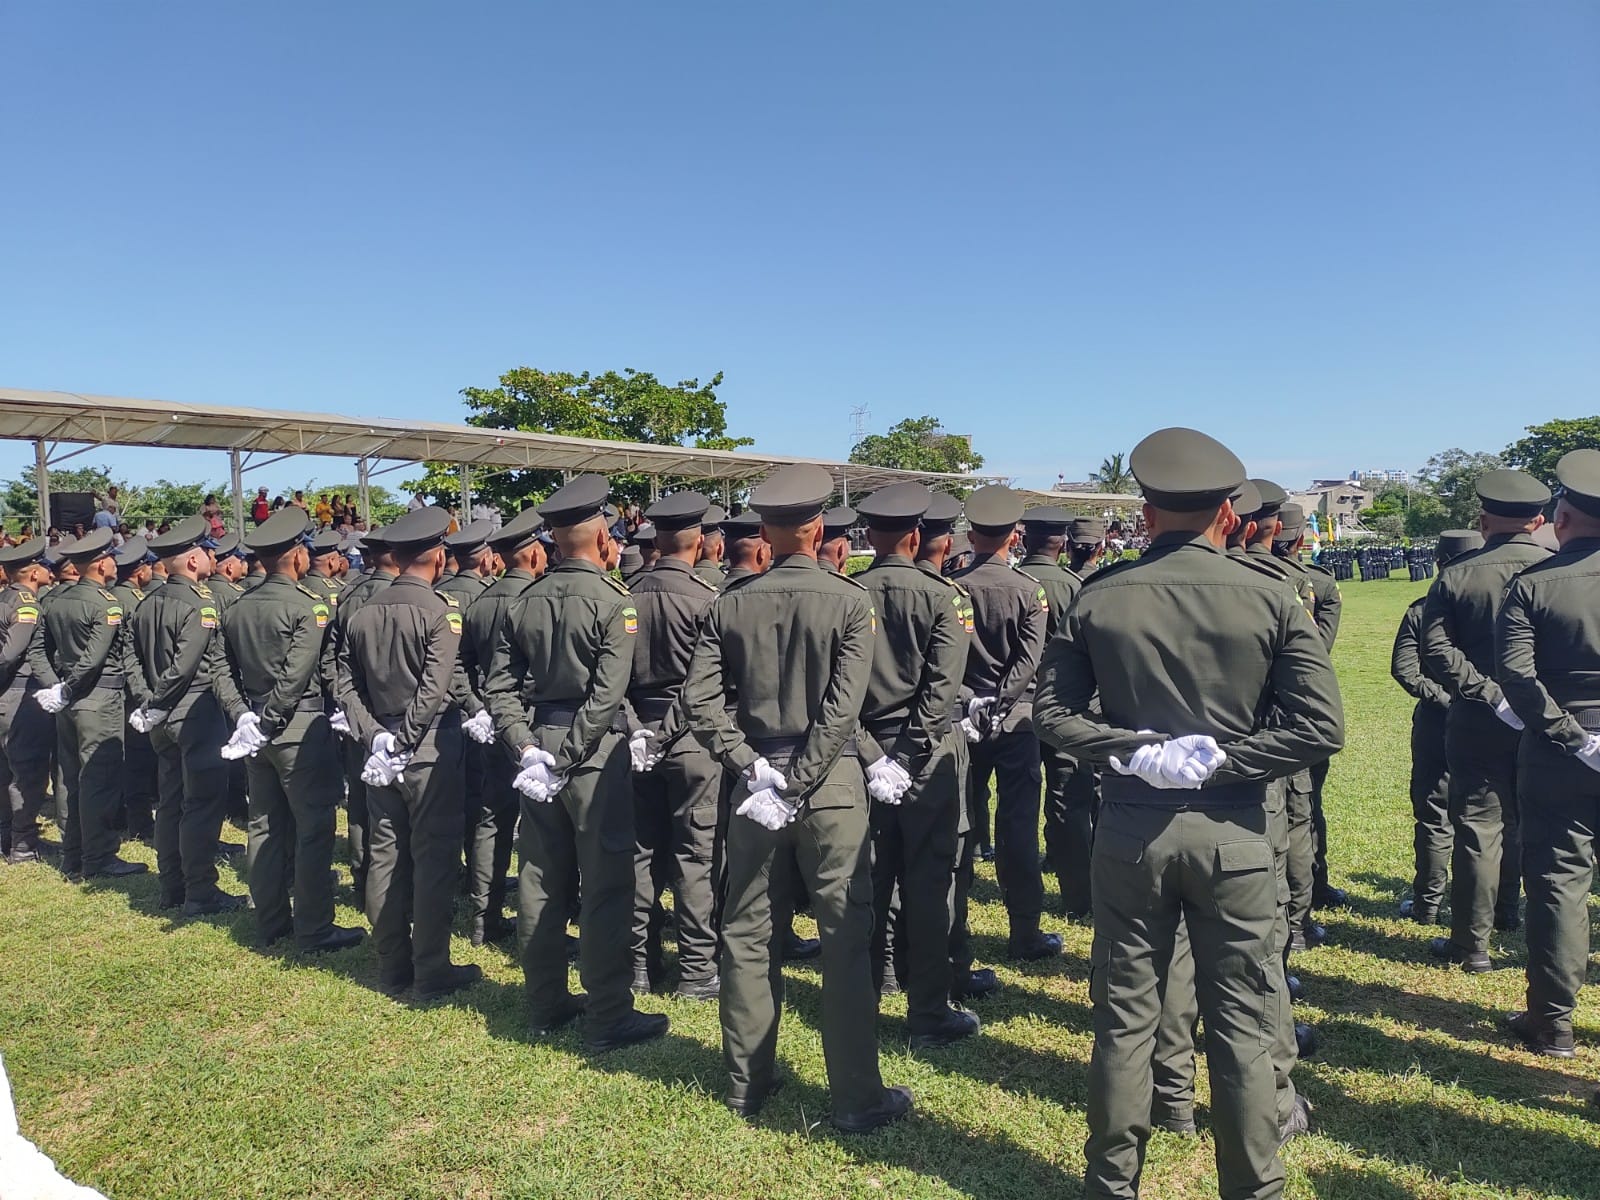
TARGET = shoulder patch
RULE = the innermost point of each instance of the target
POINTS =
(630, 619)
(453, 619)
(208, 617)
(320, 611)
(27, 613)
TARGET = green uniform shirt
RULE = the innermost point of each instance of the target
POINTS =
(273, 638)
(782, 656)
(565, 642)
(1181, 641)
(1060, 586)
(1458, 620)
(465, 586)
(481, 626)
(325, 586)
(350, 601)
(397, 662)
(19, 621)
(82, 642)
(918, 659)
(171, 641)
(734, 574)
(1405, 661)
(1011, 614)
(1547, 644)
(225, 591)
(672, 599)
(710, 572)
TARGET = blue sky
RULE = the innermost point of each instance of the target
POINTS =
(1337, 235)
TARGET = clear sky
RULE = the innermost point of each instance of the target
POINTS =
(1337, 235)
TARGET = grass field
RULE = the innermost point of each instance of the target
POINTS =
(158, 1059)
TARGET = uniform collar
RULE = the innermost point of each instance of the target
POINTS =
(892, 560)
(577, 564)
(520, 573)
(796, 562)
(672, 564)
(412, 581)
(1581, 546)
(1041, 559)
(1509, 539)
(1179, 539)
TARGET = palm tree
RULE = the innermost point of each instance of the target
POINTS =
(1113, 475)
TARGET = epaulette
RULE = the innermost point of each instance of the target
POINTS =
(617, 583)
(842, 576)
(703, 582)
(1320, 569)
(25, 595)
(200, 589)
(312, 592)
(1259, 567)
(1108, 571)
(111, 596)
(1025, 575)
(729, 585)
(448, 599)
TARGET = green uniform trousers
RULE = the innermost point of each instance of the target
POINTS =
(193, 779)
(585, 833)
(1560, 821)
(295, 788)
(89, 745)
(1071, 797)
(1485, 866)
(475, 785)
(497, 810)
(1012, 759)
(1302, 849)
(357, 817)
(966, 855)
(141, 783)
(1214, 869)
(830, 842)
(1319, 824)
(415, 856)
(27, 734)
(675, 815)
(914, 848)
(1432, 836)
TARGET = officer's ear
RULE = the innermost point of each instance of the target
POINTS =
(916, 542)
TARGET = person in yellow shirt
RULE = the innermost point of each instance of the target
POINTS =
(324, 513)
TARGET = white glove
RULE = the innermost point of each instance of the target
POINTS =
(762, 774)
(1183, 762)
(639, 751)
(384, 743)
(340, 723)
(479, 728)
(888, 781)
(247, 738)
(976, 724)
(154, 717)
(768, 809)
(536, 780)
(1505, 713)
(379, 771)
(1589, 756)
(52, 699)
(970, 730)
(136, 721)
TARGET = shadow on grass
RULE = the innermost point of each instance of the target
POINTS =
(1343, 1183)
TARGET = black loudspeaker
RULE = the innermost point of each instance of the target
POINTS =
(72, 508)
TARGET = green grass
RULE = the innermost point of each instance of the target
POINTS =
(159, 1059)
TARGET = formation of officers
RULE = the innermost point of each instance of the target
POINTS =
(739, 723)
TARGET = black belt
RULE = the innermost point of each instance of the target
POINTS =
(305, 704)
(109, 682)
(1587, 718)
(564, 715)
(788, 747)
(886, 727)
(1128, 789)
(653, 709)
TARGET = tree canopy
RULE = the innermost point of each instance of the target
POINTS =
(1538, 453)
(1451, 476)
(918, 444)
(630, 406)
(1114, 476)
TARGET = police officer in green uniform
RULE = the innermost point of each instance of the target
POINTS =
(379, 575)
(270, 691)
(966, 983)
(1327, 605)
(78, 661)
(397, 664)
(1430, 774)
(517, 544)
(475, 570)
(27, 732)
(321, 577)
(1011, 615)
(791, 651)
(173, 648)
(836, 526)
(228, 569)
(139, 769)
(709, 567)
(1547, 661)
(1482, 730)
(641, 553)
(676, 782)
(556, 685)
(919, 658)
(1181, 646)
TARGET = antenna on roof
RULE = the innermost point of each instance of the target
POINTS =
(858, 422)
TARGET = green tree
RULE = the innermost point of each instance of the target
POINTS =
(918, 444)
(1426, 516)
(1450, 476)
(164, 498)
(1387, 514)
(1114, 476)
(1538, 453)
(630, 406)
(20, 496)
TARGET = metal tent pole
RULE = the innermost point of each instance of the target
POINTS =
(41, 477)
(236, 481)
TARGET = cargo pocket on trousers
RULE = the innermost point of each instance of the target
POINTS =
(1264, 976)
(1099, 971)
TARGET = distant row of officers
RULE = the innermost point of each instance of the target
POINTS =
(780, 735)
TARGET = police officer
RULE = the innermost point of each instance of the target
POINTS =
(556, 683)
(792, 651)
(78, 661)
(517, 544)
(1430, 776)
(27, 732)
(268, 682)
(836, 526)
(1547, 662)
(919, 658)
(747, 553)
(641, 553)
(475, 562)
(1011, 616)
(966, 983)
(709, 567)
(139, 770)
(676, 782)
(396, 666)
(322, 575)
(476, 565)
(228, 570)
(174, 648)
(1184, 643)
(1482, 730)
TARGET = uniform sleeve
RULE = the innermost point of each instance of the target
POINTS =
(292, 678)
(1405, 662)
(1330, 605)
(39, 654)
(1023, 665)
(608, 684)
(220, 668)
(944, 663)
(503, 685)
(1308, 724)
(1063, 697)
(1442, 658)
(17, 625)
(97, 652)
(1517, 670)
(441, 666)
(704, 705)
(350, 690)
(190, 638)
(839, 712)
